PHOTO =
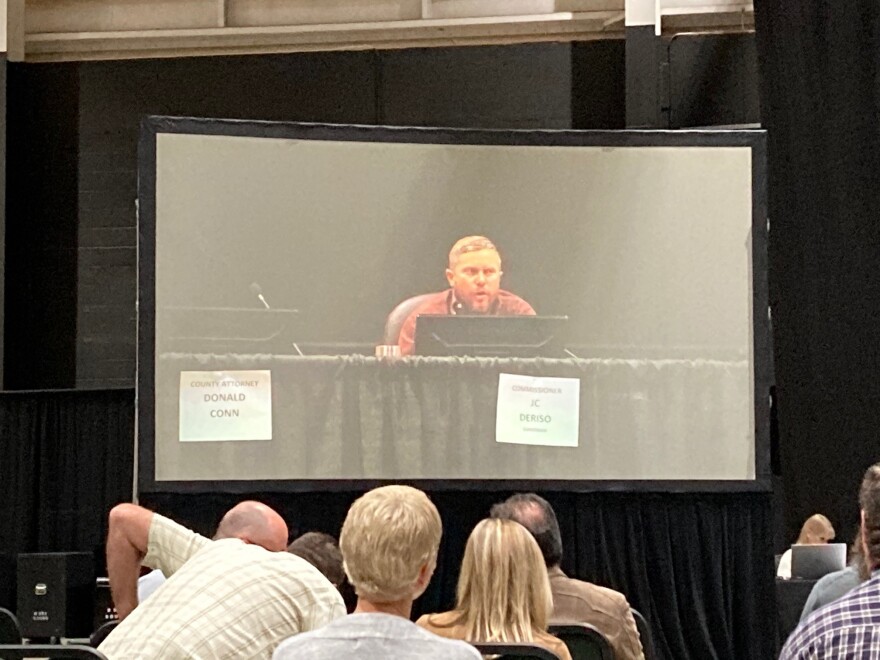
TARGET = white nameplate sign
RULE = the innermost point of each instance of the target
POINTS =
(225, 405)
(534, 410)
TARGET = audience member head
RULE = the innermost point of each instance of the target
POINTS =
(256, 523)
(535, 514)
(869, 501)
(816, 529)
(389, 545)
(322, 552)
(503, 590)
(474, 273)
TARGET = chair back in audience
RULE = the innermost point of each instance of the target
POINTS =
(644, 634)
(584, 641)
(101, 633)
(70, 652)
(10, 632)
(511, 650)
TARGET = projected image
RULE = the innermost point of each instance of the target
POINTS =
(292, 263)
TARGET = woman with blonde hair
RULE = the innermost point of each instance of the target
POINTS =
(817, 529)
(503, 591)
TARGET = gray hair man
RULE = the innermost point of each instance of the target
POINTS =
(389, 544)
(574, 600)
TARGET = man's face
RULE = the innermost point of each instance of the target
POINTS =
(476, 279)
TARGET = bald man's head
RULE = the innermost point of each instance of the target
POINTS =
(256, 523)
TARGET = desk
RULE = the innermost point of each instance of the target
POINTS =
(355, 417)
(791, 596)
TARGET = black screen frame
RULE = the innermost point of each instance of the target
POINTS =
(152, 126)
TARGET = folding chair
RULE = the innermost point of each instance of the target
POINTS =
(644, 634)
(511, 650)
(53, 651)
(10, 632)
(584, 641)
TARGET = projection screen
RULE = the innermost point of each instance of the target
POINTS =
(271, 256)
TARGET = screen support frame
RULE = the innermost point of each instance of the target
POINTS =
(153, 126)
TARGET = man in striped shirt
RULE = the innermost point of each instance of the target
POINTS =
(228, 598)
(850, 626)
(252, 522)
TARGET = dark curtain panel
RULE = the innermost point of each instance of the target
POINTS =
(699, 567)
(65, 458)
(819, 64)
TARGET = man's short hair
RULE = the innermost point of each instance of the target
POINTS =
(869, 501)
(389, 534)
(322, 552)
(469, 244)
(535, 514)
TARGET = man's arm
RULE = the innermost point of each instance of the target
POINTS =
(127, 541)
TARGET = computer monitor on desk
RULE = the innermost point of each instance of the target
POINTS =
(491, 336)
(229, 330)
(812, 561)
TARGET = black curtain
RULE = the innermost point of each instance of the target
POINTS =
(699, 567)
(819, 63)
(65, 457)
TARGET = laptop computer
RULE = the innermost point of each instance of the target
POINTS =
(490, 336)
(811, 562)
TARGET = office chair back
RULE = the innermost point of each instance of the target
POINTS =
(399, 315)
(514, 651)
(584, 641)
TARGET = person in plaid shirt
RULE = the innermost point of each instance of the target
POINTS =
(224, 599)
(850, 626)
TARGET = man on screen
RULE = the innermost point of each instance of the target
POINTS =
(474, 276)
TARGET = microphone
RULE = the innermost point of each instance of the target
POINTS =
(257, 290)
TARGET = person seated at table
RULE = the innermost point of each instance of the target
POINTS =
(816, 530)
(503, 591)
(834, 585)
(474, 276)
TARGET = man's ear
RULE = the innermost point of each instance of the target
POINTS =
(426, 572)
(450, 277)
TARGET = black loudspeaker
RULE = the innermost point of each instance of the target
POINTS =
(56, 594)
(105, 611)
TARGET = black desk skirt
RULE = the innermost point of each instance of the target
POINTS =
(791, 596)
(351, 417)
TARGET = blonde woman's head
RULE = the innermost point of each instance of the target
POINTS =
(389, 544)
(816, 529)
(503, 589)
